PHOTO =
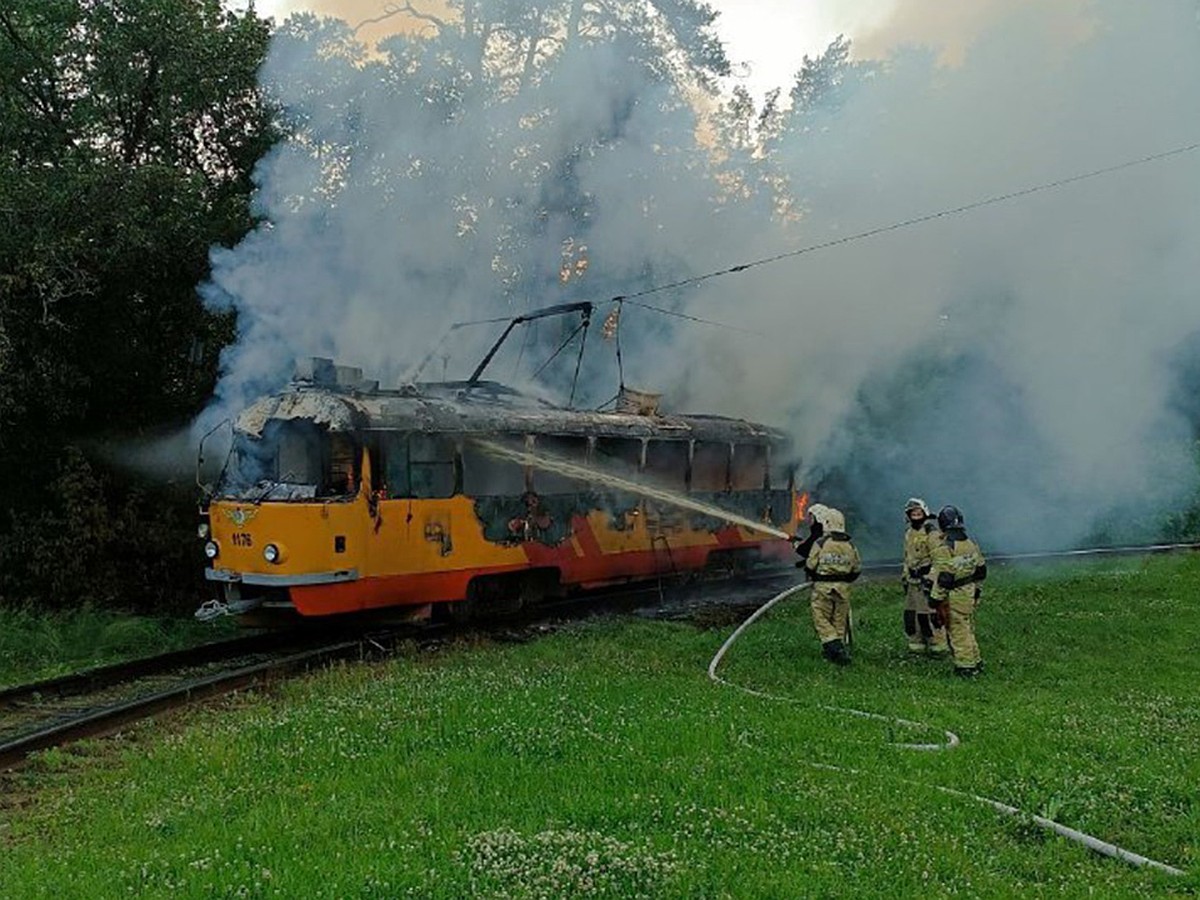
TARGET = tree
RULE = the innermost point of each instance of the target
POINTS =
(128, 133)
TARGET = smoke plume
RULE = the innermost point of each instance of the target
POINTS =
(952, 28)
(1017, 361)
(1024, 361)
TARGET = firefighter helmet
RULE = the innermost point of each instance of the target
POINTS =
(834, 521)
(817, 513)
(949, 517)
(916, 503)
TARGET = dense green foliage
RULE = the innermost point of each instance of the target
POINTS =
(600, 761)
(128, 131)
(35, 644)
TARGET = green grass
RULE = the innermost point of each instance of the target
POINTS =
(600, 761)
(36, 645)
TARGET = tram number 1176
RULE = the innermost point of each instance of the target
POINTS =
(242, 539)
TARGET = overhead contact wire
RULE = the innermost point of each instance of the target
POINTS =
(884, 229)
(690, 318)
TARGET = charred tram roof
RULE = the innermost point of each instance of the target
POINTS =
(481, 408)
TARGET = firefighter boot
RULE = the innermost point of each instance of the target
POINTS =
(916, 643)
(835, 652)
(933, 634)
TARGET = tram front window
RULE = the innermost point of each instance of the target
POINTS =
(291, 461)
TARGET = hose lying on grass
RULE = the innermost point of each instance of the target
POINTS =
(951, 741)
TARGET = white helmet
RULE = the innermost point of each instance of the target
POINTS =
(817, 512)
(834, 520)
(916, 503)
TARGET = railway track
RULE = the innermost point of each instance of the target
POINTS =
(100, 701)
(97, 702)
(95, 679)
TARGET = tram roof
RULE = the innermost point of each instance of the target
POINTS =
(484, 407)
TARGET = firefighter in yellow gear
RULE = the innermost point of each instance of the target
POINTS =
(832, 565)
(921, 628)
(956, 576)
(815, 519)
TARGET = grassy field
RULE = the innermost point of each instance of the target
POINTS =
(601, 762)
(35, 645)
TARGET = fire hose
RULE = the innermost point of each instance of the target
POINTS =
(951, 741)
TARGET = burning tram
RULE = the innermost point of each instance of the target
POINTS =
(340, 497)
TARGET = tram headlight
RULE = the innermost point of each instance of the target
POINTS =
(211, 550)
(202, 530)
(273, 554)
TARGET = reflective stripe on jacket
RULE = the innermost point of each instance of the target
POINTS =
(961, 562)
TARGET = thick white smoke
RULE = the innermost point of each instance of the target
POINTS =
(410, 203)
(1018, 360)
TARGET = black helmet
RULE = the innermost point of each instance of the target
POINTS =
(949, 517)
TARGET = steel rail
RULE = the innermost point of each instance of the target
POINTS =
(108, 719)
(87, 680)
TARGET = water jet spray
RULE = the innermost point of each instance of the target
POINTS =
(588, 474)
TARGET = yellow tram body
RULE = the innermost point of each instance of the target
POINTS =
(373, 499)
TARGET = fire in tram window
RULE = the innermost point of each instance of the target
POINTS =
(342, 467)
(570, 449)
(749, 470)
(667, 464)
(620, 456)
(419, 466)
(487, 475)
(710, 467)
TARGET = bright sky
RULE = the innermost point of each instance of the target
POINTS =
(771, 37)
(766, 39)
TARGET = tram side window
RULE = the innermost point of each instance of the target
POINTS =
(571, 449)
(431, 466)
(749, 471)
(420, 466)
(710, 467)
(342, 470)
(783, 471)
(667, 463)
(620, 456)
(395, 465)
(486, 475)
(298, 452)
